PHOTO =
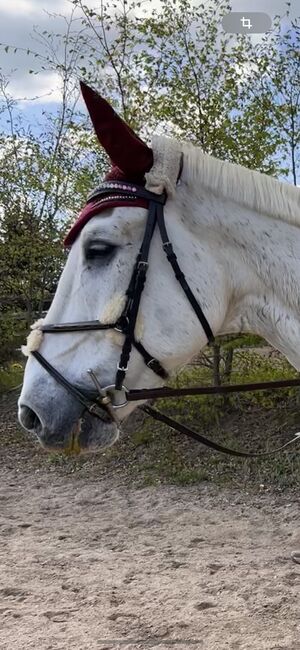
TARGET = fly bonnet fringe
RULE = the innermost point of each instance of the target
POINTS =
(34, 338)
(164, 173)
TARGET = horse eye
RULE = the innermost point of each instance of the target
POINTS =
(98, 250)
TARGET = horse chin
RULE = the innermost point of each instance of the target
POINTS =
(88, 435)
(94, 435)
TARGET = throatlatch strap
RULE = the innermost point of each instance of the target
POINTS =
(168, 248)
(150, 361)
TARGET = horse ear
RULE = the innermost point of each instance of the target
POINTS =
(125, 149)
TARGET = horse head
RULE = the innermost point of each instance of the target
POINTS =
(120, 319)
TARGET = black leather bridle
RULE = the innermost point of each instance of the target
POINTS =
(100, 403)
(127, 321)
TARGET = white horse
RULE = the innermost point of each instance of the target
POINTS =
(236, 234)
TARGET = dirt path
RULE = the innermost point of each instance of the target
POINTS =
(87, 564)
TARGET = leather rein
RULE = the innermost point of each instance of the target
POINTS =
(100, 403)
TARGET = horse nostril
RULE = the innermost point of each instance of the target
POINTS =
(30, 420)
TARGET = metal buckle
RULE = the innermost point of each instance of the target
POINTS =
(121, 329)
(166, 245)
(150, 363)
(143, 265)
(122, 368)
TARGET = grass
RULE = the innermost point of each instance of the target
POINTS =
(151, 454)
(249, 421)
(11, 375)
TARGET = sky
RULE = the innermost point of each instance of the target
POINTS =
(38, 93)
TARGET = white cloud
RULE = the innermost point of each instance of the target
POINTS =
(17, 19)
(44, 88)
(20, 6)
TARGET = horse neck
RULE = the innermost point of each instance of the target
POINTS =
(259, 256)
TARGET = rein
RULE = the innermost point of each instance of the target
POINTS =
(100, 404)
(160, 393)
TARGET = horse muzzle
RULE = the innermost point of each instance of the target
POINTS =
(73, 430)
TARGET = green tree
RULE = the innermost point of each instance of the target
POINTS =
(45, 175)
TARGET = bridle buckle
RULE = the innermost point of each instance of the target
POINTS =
(119, 327)
(122, 368)
(143, 265)
(151, 363)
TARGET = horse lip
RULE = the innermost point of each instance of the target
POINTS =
(96, 434)
(69, 447)
(80, 441)
(74, 447)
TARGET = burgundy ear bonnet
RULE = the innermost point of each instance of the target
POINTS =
(130, 158)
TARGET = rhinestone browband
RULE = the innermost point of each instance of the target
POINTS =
(112, 186)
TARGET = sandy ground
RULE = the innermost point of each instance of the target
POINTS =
(93, 564)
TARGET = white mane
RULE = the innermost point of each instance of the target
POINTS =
(252, 189)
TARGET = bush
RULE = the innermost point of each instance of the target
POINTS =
(12, 334)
